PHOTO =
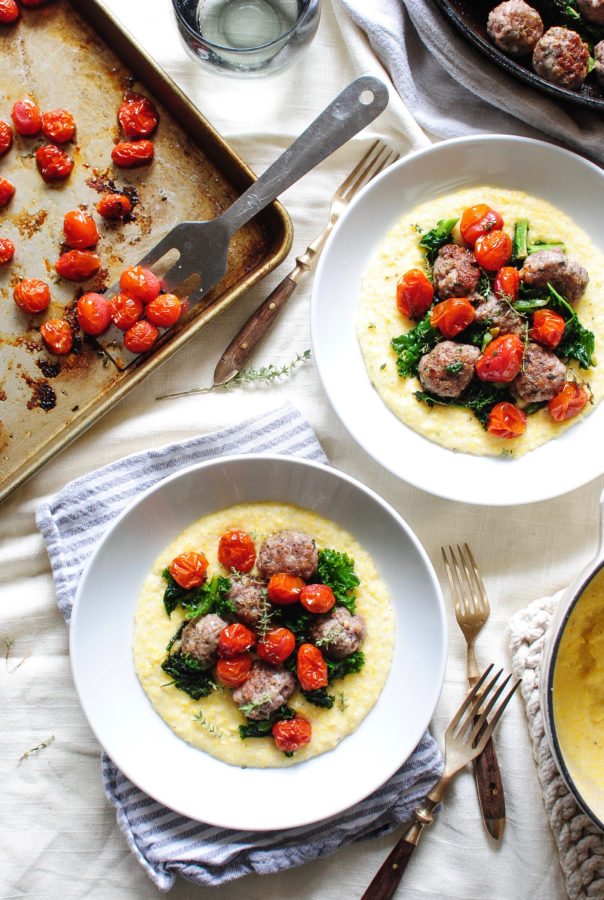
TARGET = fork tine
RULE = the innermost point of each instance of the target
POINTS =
(376, 166)
(483, 717)
(361, 165)
(480, 590)
(468, 700)
(478, 701)
(496, 717)
(454, 584)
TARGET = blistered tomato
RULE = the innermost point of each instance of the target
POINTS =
(125, 310)
(9, 11)
(58, 125)
(130, 154)
(452, 316)
(93, 313)
(53, 163)
(414, 293)
(189, 569)
(80, 229)
(140, 283)
(78, 265)
(493, 250)
(234, 640)
(233, 672)
(236, 548)
(140, 337)
(137, 115)
(6, 137)
(548, 328)
(569, 402)
(7, 250)
(317, 598)
(477, 221)
(26, 117)
(284, 589)
(506, 420)
(507, 284)
(7, 191)
(292, 734)
(311, 668)
(164, 310)
(501, 360)
(32, 295)
(276, 645)
(113, 206)
(57, 335)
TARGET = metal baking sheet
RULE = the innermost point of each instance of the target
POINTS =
(75, 55)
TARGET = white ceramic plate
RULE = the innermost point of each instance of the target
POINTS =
(563, 179)
(188, 780)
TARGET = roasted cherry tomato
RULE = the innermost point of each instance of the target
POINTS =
(501, 360)
(80, 229)
(113, 206)
(58, 125)
(7, 250)
(236, 548)
(569, 402)
(478, 220)
(452, 316)
(93, 312)
(292, 734)
(506, 420)
(235, 671)
(7, 190)
(57, 335)
(493, 250)
(189, 569)
(164, 310)
(53, 163)
(9, 11)
(140, 283)
(130, 154)
(311, 667)
(317, 598)
(548, 328)
(140, 337)
(234, 640)
(507, 283)
(137, 115)
(78, 265)
(125, 310)
(26, 117)
(32, 295)
(414, 294)
(276, 645)
(284, 589)
(34, 2)
(6, 137)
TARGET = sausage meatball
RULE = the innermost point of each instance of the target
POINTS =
(448, 369)
(248, 596)
(455, 273)
(200, 639)
(265, 690)
(568, 277)
(497, 313)
(593, 10)
(288, 551)
(599, 66)
(542, 376)
(339, 634)
(515, 27)
(561, 57)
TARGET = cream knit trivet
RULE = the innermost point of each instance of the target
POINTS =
(580, 844)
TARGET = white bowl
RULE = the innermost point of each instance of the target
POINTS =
(553, 638)
(193, 783)
(560, 177)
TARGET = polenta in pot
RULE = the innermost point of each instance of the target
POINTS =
(263, 634)
(481, 321)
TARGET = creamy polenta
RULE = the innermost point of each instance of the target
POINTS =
(211, 724)
(379, 320)
(579, 694)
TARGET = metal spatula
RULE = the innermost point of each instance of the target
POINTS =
(202, 246)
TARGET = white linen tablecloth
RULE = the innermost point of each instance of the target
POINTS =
(59, 834)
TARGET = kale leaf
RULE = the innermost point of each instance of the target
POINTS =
(436, 238)
(340, 668)
(480, 397)
(263, 727)
(199, 601)
(577, 341)
(410, 347)
(336, 570)
(320, 697)
(295, 618)
(174, 593)
(188, 675)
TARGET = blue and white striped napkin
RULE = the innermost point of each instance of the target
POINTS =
(164, 842)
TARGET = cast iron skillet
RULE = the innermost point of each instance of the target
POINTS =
(470, 17)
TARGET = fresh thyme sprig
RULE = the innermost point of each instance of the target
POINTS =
(37, 749)
(207, 725)
(264, 374)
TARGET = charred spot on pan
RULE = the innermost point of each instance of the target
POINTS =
(49, 369)
(43, 396)
(27, 224)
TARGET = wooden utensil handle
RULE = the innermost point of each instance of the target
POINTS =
(247, 339)
(389, 874)
(490, 788)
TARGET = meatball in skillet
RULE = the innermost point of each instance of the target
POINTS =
(593, 10)
(515, 27)
(562, 58)
(599, 66)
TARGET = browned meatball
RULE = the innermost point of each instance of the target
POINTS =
(497, 313)
(599, 66)
(568, 277)
(455, 273)
(264, 691)
(448, 369)
(249, 597)
(340, 633)
(593, 10)
(515, 27)
(542, 376)
(561, 57)
(200, 639)
(288, 551)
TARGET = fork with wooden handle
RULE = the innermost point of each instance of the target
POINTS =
(246, 340)
(466, 737)
(472, 611)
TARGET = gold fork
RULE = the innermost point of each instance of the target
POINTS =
(472, 611)
(465, 738)
(377, 158)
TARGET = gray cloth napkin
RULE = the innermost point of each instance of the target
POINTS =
(453, 89)
(164, 842)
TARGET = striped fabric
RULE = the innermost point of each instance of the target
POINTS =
(165, 843)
